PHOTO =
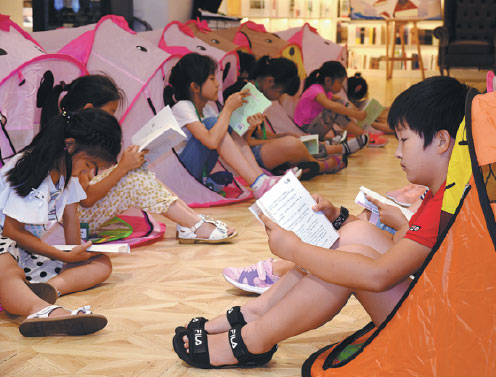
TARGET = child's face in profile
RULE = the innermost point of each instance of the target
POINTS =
(210, 88)
(415, 160)
(334, 86)
(84, 163)
(110, 107)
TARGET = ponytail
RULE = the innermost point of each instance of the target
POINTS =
(97, 90)
(95, 132)
(332, 69)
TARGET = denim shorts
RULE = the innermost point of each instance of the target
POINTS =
(196, 157)
(257, 152)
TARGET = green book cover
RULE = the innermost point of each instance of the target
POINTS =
(255, 103)
(373, 109)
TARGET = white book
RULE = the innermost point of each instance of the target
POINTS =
(364, 202)
(100, 248)
(289, 204)
(159, 135)
(311, 142)
(255, 103)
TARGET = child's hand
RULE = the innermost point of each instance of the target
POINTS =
(255, 120)
(389, 215)
(236, 100)
(79, 253)
(324, 205)
(131, 158)
(282, 243)
(360, 114)
(335, 97)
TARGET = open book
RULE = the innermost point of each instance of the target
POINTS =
(362, 201)
(159, 135)
(373, 109)
(255, 103)
(289, 204)
(311, 142)
(107, 248)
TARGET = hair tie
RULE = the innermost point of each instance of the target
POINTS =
(67, 116)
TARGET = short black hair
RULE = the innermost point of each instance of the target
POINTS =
(434, 104)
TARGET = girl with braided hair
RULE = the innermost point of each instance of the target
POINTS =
(37, 188)
(129, 183)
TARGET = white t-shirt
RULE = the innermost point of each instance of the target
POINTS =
(185, 113)
(42, 205)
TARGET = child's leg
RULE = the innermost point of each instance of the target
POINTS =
(253, 309)
(77, 277)
(291, 316)
(364, 233)
(353, 128)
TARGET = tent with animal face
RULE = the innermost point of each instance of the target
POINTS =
(315, 49)
(444, 324)
(23, 66)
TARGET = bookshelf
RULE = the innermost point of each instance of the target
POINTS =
(365, 39)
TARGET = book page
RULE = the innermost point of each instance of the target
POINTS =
(107, 248)
(373, 109)
(255, 103)
(159, 135)
(311, 142)
(362, 201)
(289, 204)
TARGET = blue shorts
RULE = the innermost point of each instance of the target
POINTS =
(196, 157)
(257, 152)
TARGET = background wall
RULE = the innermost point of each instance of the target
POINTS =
(12, 8)
(159, 13)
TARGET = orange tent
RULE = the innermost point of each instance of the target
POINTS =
(445, 325)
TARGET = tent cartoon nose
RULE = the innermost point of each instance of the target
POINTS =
(3, 52)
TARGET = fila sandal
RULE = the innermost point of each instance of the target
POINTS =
(234, 317)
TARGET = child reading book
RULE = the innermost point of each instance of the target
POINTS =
(129, 183)
(362, 262)
(274, 77)
(37, 188)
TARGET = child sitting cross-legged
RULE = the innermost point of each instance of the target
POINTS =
(39, 186)
(363, 262)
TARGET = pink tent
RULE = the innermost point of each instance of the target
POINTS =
(141, 70)
(23, 63)
(315, 49)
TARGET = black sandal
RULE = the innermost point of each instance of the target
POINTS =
(234, 317)
(309, 168)
(199, 356)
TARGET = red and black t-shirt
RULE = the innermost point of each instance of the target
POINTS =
(424, 224)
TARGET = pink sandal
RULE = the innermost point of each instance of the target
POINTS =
(341, 163)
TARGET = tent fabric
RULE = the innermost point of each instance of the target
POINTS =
(444, 324)
(23, 63)
(315, 49)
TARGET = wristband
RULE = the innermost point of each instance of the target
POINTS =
(343, 215)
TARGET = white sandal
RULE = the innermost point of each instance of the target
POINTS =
(187, 235)
(40, 324)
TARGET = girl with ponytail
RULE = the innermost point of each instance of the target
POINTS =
(129, 183)
(277, 152)
(320, 107)
(36, 188)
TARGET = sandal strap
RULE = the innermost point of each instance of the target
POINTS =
(218, 224)
(198, 346)
(235, 317)
(197, 323)
(240, 351)
(83, 309)
(44, 313)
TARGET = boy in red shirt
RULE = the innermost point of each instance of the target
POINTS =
(363, 262)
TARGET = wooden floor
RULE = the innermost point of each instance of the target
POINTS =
(158, 287)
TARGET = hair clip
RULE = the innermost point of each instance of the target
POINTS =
(66, 115)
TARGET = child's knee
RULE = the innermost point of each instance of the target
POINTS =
(103, 264)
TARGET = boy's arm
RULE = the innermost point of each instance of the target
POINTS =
(339, 108)
(351, 268)
(72, 228)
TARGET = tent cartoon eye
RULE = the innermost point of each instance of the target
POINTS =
(268, 40)
(327, 43)
(291, 51)
(201, 48)
(216, 41)
(141, 48)
(2, 52)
